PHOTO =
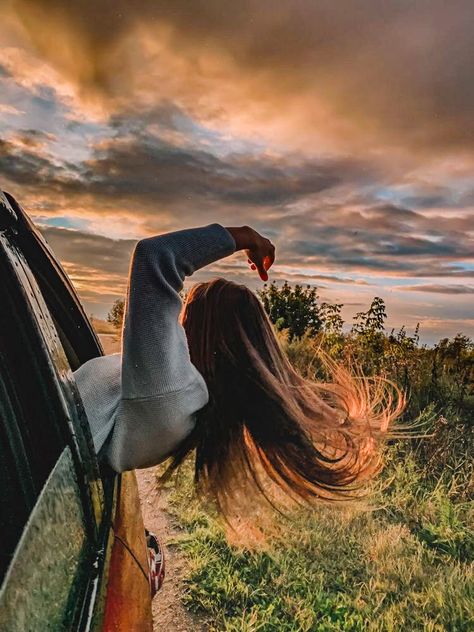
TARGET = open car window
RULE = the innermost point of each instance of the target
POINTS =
(48, 410)
(79, 341)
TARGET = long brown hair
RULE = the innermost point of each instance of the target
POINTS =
(264, 421)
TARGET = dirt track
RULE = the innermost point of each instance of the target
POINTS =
(168, 611)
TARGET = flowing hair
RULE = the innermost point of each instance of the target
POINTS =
(267, 426)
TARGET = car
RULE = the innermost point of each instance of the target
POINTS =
(74, 552)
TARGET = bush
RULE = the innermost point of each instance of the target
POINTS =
(294, 309)
(116, 314)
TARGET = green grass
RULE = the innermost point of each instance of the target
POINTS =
(405, 564)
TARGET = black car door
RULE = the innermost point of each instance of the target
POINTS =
(54, 512)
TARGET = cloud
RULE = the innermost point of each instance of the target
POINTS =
(313, 208)
(302, 277)
(364, 73)
(438, 289)
(381, 239)
(9, 109)
(159, 167)
(152, 168)
(23, 161)
(31, 138)
(75, 247)
(98, 266)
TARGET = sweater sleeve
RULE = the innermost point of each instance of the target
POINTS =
(161, 388)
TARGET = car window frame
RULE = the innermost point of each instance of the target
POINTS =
(54, 372)
(60, 302)
(56, 287)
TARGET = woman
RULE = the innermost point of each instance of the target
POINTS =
(215, 380)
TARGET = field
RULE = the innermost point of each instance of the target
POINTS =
(405, 565)
(103, 326)
(404, 560)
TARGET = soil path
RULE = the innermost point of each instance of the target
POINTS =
(168, 611)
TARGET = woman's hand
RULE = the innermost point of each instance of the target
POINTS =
(259, 250)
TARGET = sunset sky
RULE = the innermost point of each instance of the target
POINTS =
(343, 130)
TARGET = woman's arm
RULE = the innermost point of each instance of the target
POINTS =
(155, 355)
(161, 388)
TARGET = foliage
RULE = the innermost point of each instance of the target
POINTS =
(442, 376)
(115, 316)
(405, 560)
(371, 322)
(294, 309)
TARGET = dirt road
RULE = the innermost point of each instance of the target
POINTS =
(168, 611)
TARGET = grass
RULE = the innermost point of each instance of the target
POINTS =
(405, 562)
(103, 326)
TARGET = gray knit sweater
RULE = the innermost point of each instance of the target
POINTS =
(144, 400)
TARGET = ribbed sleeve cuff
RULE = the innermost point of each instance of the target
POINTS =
(228, 242)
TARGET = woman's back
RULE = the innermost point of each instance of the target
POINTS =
(99, 384)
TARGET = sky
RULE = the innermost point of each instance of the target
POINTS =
(343, 131)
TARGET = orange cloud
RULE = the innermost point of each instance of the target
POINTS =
(342, 130)
(308, 74)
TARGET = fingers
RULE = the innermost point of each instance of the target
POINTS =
(268, 260)
(262, 262)
(261, 270)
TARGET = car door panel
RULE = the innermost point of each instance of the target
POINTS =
(128, 590)
(38, 591)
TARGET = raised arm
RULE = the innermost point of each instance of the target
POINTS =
(155, 357)
(161, 388)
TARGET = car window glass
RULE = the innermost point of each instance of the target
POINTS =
(45, 583)
(23, 363)
(17, 489)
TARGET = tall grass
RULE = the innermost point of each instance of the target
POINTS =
(405, 563)
(402, 561)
